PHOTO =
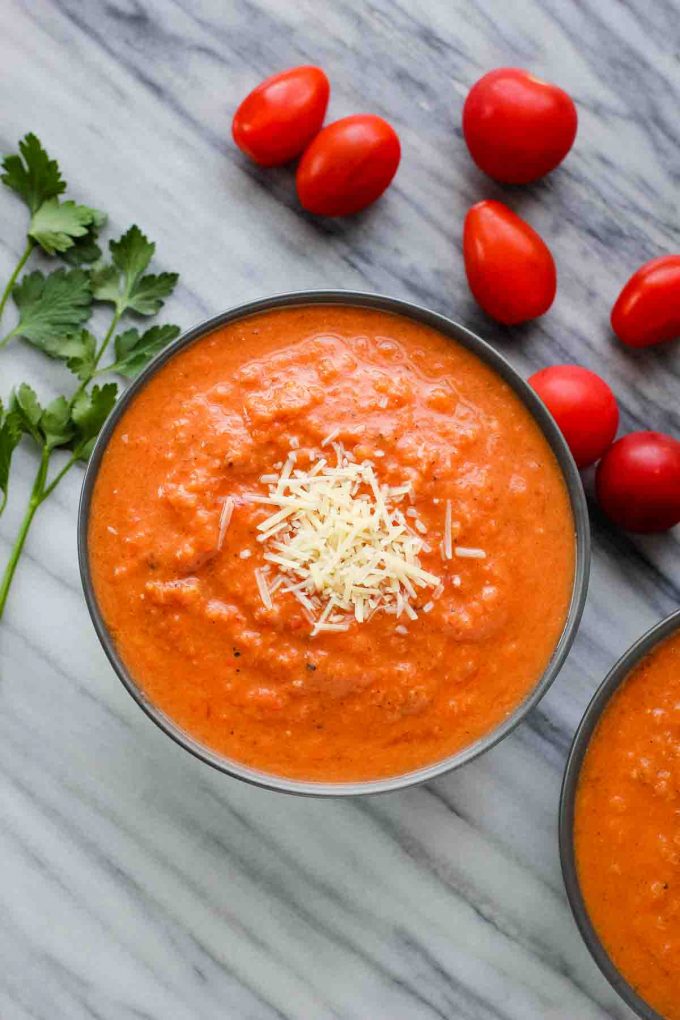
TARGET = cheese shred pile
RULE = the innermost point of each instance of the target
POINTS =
(339, 542)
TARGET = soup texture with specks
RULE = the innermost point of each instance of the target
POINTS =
(627, 829)
(385, 696)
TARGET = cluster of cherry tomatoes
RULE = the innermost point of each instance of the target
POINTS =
(517, 129)
(344, 167)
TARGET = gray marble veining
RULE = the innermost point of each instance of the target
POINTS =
(134, 882)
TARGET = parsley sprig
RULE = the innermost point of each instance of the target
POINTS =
(52, 310)
(58, 227)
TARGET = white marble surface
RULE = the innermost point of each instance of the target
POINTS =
(134, 881)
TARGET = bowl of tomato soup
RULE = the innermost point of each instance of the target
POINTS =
(332, 543)
(620, 824)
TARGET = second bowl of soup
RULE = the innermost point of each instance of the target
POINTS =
(620, 824)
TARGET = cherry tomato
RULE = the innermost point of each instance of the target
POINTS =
(281, 116)
(647, 311)
(583, 406)
(348, 165)
(638, 482)
(516, 126)
(509, 267)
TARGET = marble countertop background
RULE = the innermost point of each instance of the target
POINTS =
(134, 881)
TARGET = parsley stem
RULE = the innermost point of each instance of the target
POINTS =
(12, 280)
(39, 494)
(36, 498)
(98, 356)
(41, 490)
(48, 490)
(107, 339)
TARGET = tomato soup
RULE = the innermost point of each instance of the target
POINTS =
(424, 513)
(627, 829)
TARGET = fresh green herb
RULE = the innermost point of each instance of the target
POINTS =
(56, 424)
(85, 249)
(27, 410)
(122, 281)
(89, 411)
(50, 426)
(134, 350)
(32, 175)
(52, 310)
(70, 424)
(79, 351)
(55, 226)
(10, 434)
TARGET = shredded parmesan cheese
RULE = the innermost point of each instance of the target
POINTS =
(330, 437)
(410, 611)
(339, 542)
(469, 554)
(447, 543)
(225, 518)
(263, 588)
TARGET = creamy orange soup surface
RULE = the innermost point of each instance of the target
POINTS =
(179, 591)
(627, 829)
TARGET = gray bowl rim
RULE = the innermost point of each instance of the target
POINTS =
(591, 717)
(541, 415)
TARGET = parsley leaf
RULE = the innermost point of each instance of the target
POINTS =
(149, 294)
(56, 225)
(35, 177)
(135, 351)
(27, 410)
(89, 411)
(85, 249)
(132, 253)
(10, 434)
(51, 307)
(56, 424)
(74, 423)
(105, 282)
(79, 351)
(122, 283)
